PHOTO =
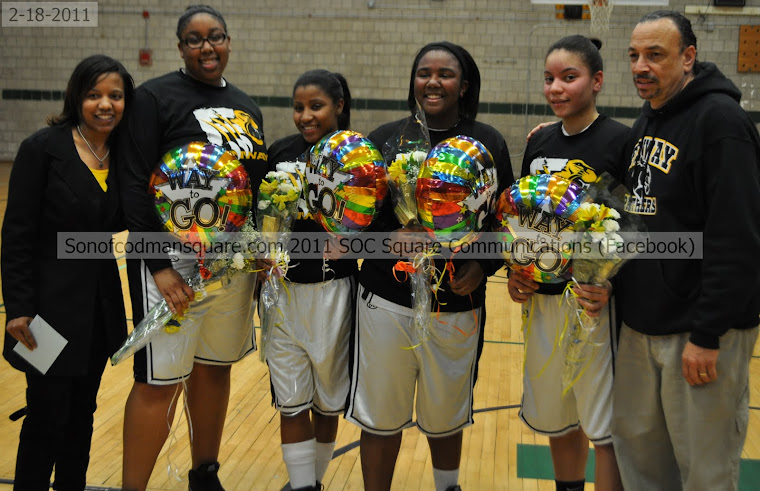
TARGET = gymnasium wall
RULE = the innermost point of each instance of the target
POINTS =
(372, 43)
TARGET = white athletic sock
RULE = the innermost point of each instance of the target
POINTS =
(444, 479)
(300, 460)
(324, 456)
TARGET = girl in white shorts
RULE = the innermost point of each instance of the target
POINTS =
(307, 349)
(445, 82)
(579, 148)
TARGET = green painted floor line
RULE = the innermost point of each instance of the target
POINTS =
(122, 266)
(504, 342)
(535, 462)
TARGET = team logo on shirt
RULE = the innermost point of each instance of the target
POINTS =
(233, 129)
(571, 169)
(649, 153)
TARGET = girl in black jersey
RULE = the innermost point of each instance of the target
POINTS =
(194, 103)
(307, 351)
(445, 82)
(580, 147)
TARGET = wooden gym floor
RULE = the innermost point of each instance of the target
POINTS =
(499, 451)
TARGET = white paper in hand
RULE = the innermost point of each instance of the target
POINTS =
(49, 345)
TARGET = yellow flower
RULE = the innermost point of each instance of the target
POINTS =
(597, 227)
(293, 195)
(604, 213)
(397, 171)
(280, 200)
(587, 212)
(267, 187)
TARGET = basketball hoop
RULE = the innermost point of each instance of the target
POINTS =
(600, 15)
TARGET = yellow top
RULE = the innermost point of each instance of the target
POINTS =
(101, 175)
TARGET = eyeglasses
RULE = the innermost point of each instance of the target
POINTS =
(196, 42)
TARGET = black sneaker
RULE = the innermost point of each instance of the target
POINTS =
(205, 478)
(454, 488)
(318, 487)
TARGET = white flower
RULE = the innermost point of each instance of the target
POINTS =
(611, 225)
(237, 261)
(614, 213)
(286, 187)
(264, 204)
(291, 167)
(270, 175)
(419, 156)
(597, 236)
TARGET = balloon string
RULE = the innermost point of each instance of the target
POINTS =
(171, 467)
(558, 335)
(527, 321)
(474, 316)
(451, 270)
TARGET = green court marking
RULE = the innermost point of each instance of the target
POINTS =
(535, 462)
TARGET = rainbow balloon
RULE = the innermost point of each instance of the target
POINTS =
(347, 183)
(456, 190)
(201, 192)
(535, 217)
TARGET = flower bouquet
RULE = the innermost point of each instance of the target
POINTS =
(278, 198)
(210, 277)
(405, 154)
(596, 258)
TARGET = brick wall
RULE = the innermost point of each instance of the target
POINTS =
(273, 41)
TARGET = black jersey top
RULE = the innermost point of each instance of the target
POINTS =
(289, 149)
(376, 275)
(581, 157)
(171, 111)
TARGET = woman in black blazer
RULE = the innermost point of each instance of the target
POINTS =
(63, 180)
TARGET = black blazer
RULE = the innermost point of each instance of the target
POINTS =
(51, 190)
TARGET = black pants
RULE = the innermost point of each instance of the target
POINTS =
(57, 431)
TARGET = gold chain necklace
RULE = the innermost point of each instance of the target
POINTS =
(100, 161)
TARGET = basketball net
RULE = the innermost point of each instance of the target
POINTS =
(600, 15)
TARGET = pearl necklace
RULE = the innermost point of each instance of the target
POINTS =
(100, 161)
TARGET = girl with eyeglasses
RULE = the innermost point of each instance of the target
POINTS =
(195, 103)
